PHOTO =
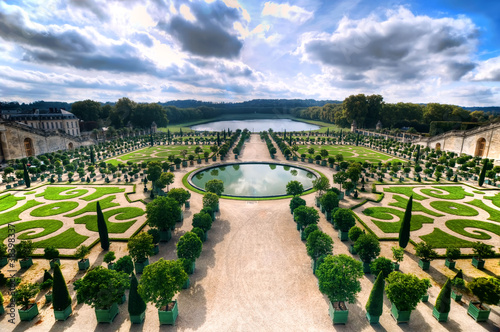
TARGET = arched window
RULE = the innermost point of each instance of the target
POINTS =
(438, 146)
(70, 146)
(480, 145)
(28, 146)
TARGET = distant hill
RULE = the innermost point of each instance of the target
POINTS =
(255, 103)
(490, 109)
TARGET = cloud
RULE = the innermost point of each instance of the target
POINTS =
(98, 9)
(488, 70)
(293, 13)
(403, 47)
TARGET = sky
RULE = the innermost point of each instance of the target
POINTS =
(420, 51)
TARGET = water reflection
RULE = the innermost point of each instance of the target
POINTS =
(256, 125)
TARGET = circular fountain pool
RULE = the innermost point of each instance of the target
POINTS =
(253, 179)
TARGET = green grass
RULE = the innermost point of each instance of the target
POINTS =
(459, 226)
(29, 193)
(92, 207)
(407, 191)
(54, 193)
(453, 208)
(158, 153)
(479, 192)
(355, 153)
(495, 199)
(416, 206)
(102, 191)
(123, 213)
(7, 201)
(454, 192)
(48, 226)
(494, 214)
(69, 239)
(441, 239)
(53, 209)
(385, 213)
(13, 215)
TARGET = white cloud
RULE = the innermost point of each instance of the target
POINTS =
(293, 13)
(186, 13)
(488, 70)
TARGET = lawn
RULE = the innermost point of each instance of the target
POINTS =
(355, 153)
(454, 208)
(454, 192)
(396, 216)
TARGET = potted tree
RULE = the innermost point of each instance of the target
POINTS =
(189, 248)
(24, 250)
(443, 302)
(140, 247)
(2, 309)
(452, 253)
(52, 255)
(398, 255)
(381, 264)
(109, 258)
(203, 221)
(368, 247)
(404, 291)
(124, 264)
(318, 245)
(344, 220)
(156, 239)
(354, 233)
(61, 299)
(487, 290)
(375, 304)
(309, 229)
(338, 278)
(458, 284)
(102, 289)
(136, 305)
(211, 200)
(481, 250)
(162, 213)
(81, 253)
(47, 285)
(305, 216)
(329, 201)
(159, 284)
(24, 296)
(201, 234)
(3, 255)
(295, 202)
(426, 253)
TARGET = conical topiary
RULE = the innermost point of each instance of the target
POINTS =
(136, 304)
(483, 173)
(404, 231)
(444, 298)
(26, 176)
(375, 303)
(60, 295)
(459, 274)
(102, 228)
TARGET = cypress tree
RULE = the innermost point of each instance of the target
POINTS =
(417, 157)
(483, 173)
(103, 229)
(404, 231)
(26, 176)
(357, 139)
(92, 156)
(136, 304)
(375, 303)
(459, 274)
(218, 139)
(60, 295)
(151, 139)
(444, 298)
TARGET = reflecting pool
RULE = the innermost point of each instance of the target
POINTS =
(256, 125)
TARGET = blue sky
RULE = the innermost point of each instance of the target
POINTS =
(234, 50)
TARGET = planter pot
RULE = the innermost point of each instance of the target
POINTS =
(323, 163)
(198, 161)
(302, 159)
(480, 315)
(214, 158)
(156, 249)
(64, 314)
(2, 309)
(456, 296)
(366, 268)
(187, 204)
(425, 298)
(352, 250)
(343, 236)
(84, 264)
(310, 160)
(26, 263)
(111, 266)
(54, 261)
(400, 316)
(317, 200)
(172, 168)
(294, 158)
(177, 166)
(395, 266)
(479, 264)
(186, 284)
(139, 266)
(165, 235)
(440, 316)
(317, 162)
(106, 315)
(302, 235)
(425, 265)
(123, 299)
(138, 319)
(192, 267)
(337, 316)
(449, 264)
(3, 261)
(168, 317)
(48, 297)
(372, 319)
(29, 314)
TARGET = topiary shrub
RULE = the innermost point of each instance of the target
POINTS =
(136, 305)
(189, 246)
(203, 221)
(295, 202)
(375, 304)
(124, 264)
(368, 247)
(309, 229)
(344, 219)
(443, 300)
(60, 294)
(354, 233)
(381, 265)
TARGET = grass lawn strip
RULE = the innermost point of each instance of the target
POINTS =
(7, 201)
(407, 191)
(124, 213)
(454, 192)
(416, 206)
(495, 199)
(53, 209)
(459, 226)
(102, 191)
(13, 215)
(494, 214)
(386, 213)
(54, 193)
(441, 239)
(69, 239)
(49, 226)
(453, 208)
(92, 207)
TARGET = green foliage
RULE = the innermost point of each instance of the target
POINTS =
(480, 181)
(180, 195)
(136, 304)
(425, 251)
(482, 250)
(404, 232)
(305, 216)
(163, 212)
(443, 300)
(160, 282)
(109, 257)
(319, 244)
(321, 184)
(398, 254)
(487, 290)
(381, 265)
(47, 280)
(3, 250)
(198, 231)
(309, 229)
(294, 188)
(202, 220)
(338, 278)
(24, 249)
(329, 200)
(295, 202)
(405, 290)
(124, 264)
(82, 252)
(210, 200)
(354, 233)
(215, 186)
(102, 228)
(140, 246)
(24, 293)
(101, 287)
(189, 246)
(51, 253)
(452, 253)
(60, 294)
(375, 304)
(367, 246)
(155, 233)
(344, 219)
